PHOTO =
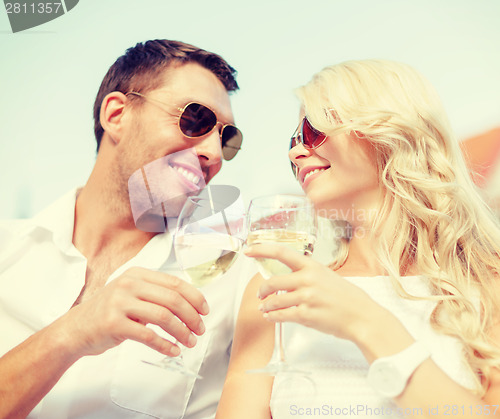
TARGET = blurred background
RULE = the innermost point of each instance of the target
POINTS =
(50, 75)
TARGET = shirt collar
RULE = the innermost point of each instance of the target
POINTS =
(58, 219)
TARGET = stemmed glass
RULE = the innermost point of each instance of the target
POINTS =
(288, 220)
(209, 237)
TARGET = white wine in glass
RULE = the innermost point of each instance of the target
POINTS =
(205, 257)
(288, 220)
(302, 241)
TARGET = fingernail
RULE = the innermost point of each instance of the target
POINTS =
(258, 295)
(175, 351)
(265, 315)
(201, 328)
(261, 307)
(205, 308)
(192, 340)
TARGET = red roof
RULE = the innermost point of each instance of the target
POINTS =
(482, 154)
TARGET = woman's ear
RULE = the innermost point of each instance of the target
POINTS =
(112, 110)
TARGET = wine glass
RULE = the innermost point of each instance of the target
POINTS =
(289, 220)
(209, 237)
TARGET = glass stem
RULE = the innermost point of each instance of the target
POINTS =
(278, 356)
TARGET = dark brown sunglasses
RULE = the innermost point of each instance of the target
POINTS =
(197, 120)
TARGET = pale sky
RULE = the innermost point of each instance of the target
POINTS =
(50, 75)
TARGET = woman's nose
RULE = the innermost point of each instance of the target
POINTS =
(297, 152)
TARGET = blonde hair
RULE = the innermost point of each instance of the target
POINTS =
(445, 230)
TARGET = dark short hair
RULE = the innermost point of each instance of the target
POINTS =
(141, 67)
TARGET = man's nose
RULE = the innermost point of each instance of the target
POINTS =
(210, 148)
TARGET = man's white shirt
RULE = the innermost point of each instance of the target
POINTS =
(41, 276)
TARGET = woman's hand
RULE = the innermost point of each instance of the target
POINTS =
(316, 296)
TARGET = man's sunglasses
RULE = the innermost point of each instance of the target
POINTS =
(309, 136)
(197, 120)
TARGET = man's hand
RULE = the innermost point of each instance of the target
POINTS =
(123, 308)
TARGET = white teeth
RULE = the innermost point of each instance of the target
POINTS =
(187, 174)
(312, 172)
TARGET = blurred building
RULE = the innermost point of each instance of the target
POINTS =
(482, 153)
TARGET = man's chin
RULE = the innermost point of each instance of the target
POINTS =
(151, 223)
(155, 219)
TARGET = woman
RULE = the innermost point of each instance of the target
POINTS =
(406, 321)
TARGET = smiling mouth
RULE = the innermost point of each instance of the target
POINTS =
(312, 172)
(187, 174)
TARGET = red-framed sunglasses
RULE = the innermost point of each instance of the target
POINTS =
(197, 120)
(308, 136)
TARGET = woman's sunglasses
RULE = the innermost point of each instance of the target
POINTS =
(197, 120)
(309, 136)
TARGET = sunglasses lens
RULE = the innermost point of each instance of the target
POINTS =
(197, 120)
(231, 141)
(311, 137)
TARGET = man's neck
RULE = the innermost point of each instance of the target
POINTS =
(105, 224)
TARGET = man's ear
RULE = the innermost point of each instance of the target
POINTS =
(112, 110)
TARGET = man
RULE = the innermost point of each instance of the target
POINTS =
(81, 279)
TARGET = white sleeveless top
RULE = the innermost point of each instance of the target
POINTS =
(337, 385)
